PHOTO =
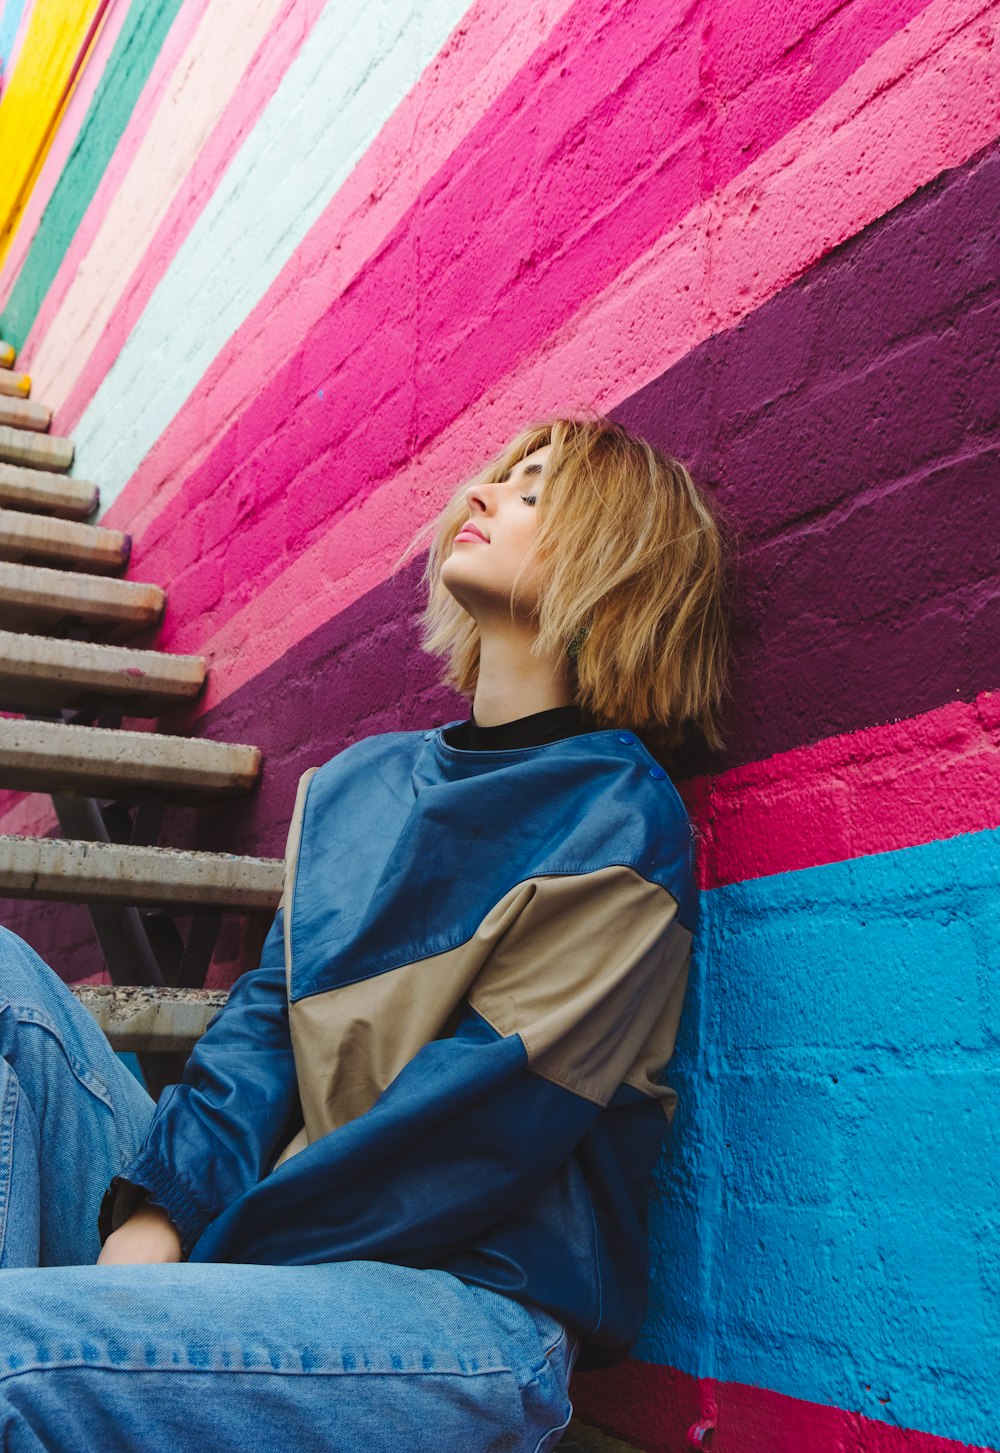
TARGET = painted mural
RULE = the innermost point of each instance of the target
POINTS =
(288, 270)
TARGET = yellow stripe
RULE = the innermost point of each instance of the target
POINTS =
(33, 102)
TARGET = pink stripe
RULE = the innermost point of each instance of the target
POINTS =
(639, 79)
(872, 791)
(662, 1410)
(262, 76)
(176, 42)
(865, 151)
(65, 140)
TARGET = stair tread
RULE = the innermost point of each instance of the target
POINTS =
(15, 385)
(69, 543)
(37, 451)
(39, 672)
(67, 870)
(34, 598)
(57, 757)
(137, 1017)
(24, 414)
(48, 494)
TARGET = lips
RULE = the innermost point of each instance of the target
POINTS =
(470, 532)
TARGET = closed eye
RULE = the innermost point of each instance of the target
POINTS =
(530, 499)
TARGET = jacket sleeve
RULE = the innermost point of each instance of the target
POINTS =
(213, 1134)
(579, 994)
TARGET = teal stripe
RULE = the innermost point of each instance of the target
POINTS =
(125, 75)
(827, 1221)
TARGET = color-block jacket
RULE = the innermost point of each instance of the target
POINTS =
(449, 1054)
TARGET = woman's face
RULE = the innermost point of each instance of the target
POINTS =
(500, 531)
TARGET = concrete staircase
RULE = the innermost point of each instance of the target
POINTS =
(66, 668)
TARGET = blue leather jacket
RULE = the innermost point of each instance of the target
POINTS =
(449, 1055)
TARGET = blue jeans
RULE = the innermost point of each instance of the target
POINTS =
(354, 1356)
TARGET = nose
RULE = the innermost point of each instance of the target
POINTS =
(476, 499)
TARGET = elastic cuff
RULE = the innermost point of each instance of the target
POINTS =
(147, 1180)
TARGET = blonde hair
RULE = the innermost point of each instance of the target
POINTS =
(635, 585)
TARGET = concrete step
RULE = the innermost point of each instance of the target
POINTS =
(54, 757)
(45, 540)
(7, 356)
(64, 870)
(35, 599)
(46, 494)
(136, 1017)
(15, 385)
(24, 414)
(37, 451)
(41, 674)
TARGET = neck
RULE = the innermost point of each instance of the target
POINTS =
(512, 682)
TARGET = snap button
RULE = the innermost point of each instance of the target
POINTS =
(626, 737)
(658, 773)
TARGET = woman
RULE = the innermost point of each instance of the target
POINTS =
(408, 1162)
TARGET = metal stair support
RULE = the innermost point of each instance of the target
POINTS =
(108, 786)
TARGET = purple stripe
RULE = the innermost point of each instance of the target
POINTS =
(850, 426)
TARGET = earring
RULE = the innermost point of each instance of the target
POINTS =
(574, 647)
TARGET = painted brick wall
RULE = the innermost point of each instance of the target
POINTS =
(294, 306)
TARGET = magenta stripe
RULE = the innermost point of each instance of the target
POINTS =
(662, 1410)
(798, 58)
(177, 40)
(872, 791)
(635, 79)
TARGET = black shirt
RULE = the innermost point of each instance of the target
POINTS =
(527, 731)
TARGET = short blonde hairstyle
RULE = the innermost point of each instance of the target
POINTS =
(635, 560)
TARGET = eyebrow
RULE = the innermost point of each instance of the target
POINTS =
(533, 469)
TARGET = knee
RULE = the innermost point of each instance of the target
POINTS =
(24, 974)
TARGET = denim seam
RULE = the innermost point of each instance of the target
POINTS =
(29, 1014)
(7, 1114)
(64, 1364)
(556, 1428)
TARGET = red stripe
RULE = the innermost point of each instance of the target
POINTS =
(871, 791)
(662, 1410)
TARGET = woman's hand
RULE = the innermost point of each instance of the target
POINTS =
(148, 1235)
